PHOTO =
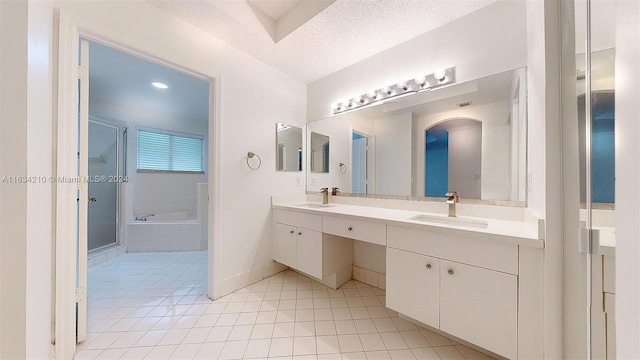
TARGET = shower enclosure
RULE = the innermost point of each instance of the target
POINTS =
(107, 173)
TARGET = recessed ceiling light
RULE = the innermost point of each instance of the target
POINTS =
(160, 85)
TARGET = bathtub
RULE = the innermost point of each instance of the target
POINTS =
(171, 217)
(170, 231)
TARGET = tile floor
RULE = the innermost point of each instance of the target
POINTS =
(154, 306)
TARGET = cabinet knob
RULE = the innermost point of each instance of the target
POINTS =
(349, 228)
(300, 233)
(291, 232)
(450, 271)
(428, 266)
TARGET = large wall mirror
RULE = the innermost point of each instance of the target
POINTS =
(288, 148)
(468, 137)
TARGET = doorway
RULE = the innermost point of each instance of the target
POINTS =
(360, 144)
(147, 197)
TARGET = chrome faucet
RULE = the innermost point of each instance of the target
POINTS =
(143, 217)
(452, 199)
(324, 192)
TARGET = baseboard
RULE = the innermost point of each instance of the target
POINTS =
(370, 277)
(250, 277)
(101, 256)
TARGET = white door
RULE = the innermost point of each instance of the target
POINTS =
(359, 164)
(83, 193)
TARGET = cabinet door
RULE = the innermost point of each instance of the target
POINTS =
(309, 252)
(413, 285)
(284, 245)
(480, 306)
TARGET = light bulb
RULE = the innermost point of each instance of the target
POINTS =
(387, 91)
(354, 103)
(373, 94)
(420, 80)
(160, 85)
(403, 86)
(440, 75)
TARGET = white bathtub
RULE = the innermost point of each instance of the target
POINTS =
(175, 231)
(171, 217)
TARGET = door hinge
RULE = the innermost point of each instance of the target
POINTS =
(80, 295)
(589, 241)
(82, 72)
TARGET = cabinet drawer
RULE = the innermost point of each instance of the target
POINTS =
(480, 306)
(356, 229)
(485, 253)
(299, 219)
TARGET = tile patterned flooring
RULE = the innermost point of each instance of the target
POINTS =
(154, 306)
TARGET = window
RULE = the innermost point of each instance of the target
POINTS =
(166, 151)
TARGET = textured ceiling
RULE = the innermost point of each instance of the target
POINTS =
(343, 34)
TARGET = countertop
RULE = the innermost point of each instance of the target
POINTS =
(514, 232)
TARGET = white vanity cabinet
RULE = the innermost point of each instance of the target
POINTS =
(413, 285)
(480, 306)
(469, 293)
(298, 241)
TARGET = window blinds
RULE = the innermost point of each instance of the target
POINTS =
(170, 152)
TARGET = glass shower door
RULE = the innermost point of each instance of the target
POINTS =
(595, 89)
(103, 185)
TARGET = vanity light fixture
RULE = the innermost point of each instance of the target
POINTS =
(440, 75)
(160, 85)
(438, 78)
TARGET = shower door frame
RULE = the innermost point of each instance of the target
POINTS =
(121, 160)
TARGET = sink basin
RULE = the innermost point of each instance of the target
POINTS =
(316, 205)
(457, 221)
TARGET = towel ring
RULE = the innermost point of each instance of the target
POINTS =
(250, 155)
(342, 168)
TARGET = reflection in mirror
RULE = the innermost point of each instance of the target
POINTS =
(288, 148)
(602, 127)
(469, 137)
(452, 158)
(319, 153)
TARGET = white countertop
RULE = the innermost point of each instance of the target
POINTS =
(514, 232)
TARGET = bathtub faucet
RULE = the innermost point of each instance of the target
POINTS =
(144, 217)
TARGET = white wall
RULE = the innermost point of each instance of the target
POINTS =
(495, 168)
(470, 44)
(155, 192)
(25, 150)
(253, 97)
(370, 256)
(393, 154)
(627, 180)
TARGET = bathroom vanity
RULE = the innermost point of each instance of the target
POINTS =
(477, 279)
